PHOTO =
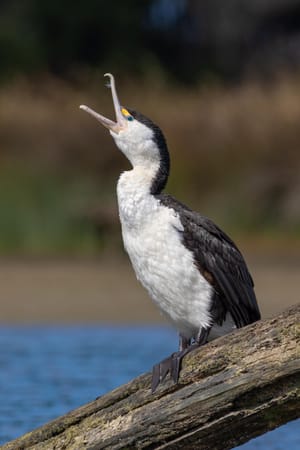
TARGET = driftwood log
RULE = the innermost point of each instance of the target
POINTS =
(231, 390)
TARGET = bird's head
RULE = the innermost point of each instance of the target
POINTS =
(135, 135)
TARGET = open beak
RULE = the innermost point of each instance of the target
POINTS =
(121, 122)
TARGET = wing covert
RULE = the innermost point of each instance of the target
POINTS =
(220, 261)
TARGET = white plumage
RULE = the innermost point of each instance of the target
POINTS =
(191, 269)
(151, 234)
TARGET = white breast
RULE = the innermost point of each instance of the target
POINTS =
(151, 235)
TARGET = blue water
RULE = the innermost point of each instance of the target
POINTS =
(48, 371)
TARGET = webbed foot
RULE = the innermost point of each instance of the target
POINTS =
(172, 364)
(160, 371)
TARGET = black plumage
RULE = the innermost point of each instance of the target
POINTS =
(215, 254)
(161, 178)
(220, 262)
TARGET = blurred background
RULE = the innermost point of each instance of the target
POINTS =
(222, 80)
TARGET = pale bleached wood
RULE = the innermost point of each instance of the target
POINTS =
(230, 390)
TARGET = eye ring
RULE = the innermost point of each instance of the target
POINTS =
(126, 114)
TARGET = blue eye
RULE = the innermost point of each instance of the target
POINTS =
(130, 118)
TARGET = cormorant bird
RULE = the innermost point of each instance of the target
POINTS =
(191, 269)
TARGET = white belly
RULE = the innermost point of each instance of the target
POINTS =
(165, 267)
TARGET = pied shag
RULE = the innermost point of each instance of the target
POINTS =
(191, 269)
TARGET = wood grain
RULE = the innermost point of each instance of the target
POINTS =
(231, 390)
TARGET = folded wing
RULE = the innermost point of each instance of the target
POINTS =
(221, 263)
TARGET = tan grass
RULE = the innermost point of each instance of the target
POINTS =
(228, 144)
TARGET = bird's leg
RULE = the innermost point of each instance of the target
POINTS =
(202, 336)
(201, 339)
(183, 342)
(160, 370)
(172, 364)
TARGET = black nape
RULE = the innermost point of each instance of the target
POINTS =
(161, 178)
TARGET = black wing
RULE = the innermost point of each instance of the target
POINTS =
(221, 263)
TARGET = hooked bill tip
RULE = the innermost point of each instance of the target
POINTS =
(84, 107)
(111, 79)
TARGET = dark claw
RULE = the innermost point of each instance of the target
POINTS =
(160, 371)
(177, 360)
(176, 366)
(155, 377)
(171, 364)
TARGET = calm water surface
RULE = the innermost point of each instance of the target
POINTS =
(47, 371)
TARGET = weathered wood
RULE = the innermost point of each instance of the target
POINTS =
(230, 390)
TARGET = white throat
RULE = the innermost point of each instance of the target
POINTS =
(138, 145)
(135, 201)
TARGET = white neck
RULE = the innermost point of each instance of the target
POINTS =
(137, 145)
(134, 194)
(140, 178)
(148, 154)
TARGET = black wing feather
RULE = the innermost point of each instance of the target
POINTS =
(217, 257)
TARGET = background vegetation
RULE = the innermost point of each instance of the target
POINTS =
(222, 81)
